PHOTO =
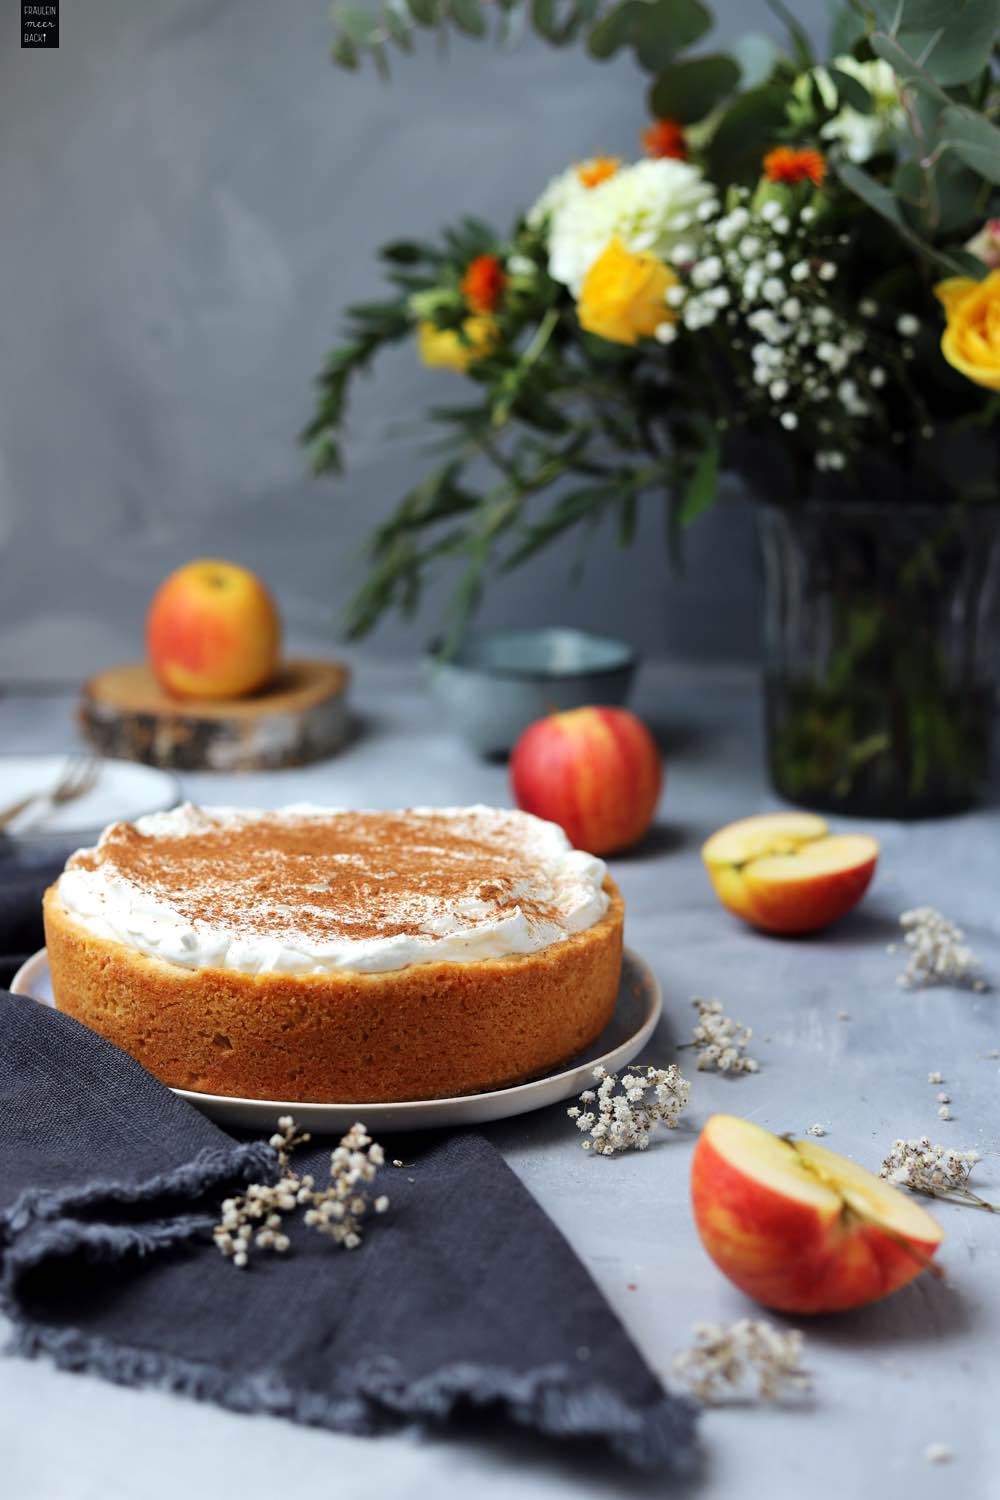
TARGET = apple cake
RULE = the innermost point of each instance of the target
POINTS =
(322, 954)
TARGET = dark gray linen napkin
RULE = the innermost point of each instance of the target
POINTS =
(462, 1299)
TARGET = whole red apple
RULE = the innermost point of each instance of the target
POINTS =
(212, 631)
(594, 771)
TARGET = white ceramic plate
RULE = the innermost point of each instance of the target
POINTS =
(631, 1026)
(121, 790)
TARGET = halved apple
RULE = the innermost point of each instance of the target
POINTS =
(785, 872)
(799, 1228)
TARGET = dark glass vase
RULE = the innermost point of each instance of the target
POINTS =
(880, 644)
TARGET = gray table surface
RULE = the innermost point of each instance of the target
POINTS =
(922, 1367)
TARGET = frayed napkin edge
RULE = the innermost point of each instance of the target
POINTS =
(377, 1397)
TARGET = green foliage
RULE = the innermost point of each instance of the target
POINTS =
(699, 491)
(688, 90)
(743, 134)
(886, 202)
(557, 440)
(973, 138)
(566, 432)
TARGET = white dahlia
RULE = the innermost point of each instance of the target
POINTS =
(651, 206)
(560, 191)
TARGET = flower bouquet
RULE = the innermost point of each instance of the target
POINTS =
(800, 282)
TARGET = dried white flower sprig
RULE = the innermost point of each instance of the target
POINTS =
(255, 1219)
(625, 1120)
(729, 1361)
(721, 1041)
(935, 1171)
(938, 951)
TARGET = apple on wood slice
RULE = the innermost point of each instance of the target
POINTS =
(799, 1228)
(595, 771)
(786, 872)
(213, 631)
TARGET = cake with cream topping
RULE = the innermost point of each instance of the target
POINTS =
(323, 955)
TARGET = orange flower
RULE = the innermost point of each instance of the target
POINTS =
(597, 170)
(483, 283)
(665, 138)
(794, 164)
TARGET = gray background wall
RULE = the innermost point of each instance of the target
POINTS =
(190, 193)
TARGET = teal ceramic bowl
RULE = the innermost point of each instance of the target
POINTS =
(499, 682)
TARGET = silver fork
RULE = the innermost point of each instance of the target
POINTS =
(77, 778)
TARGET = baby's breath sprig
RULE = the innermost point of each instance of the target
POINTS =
(255, 1219)
(721, 1041)
(626, 1120)
(938, 951)
(727, 1361)
(936, 1171)
(763, 270)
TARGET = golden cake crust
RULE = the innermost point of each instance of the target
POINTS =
(429, 1030)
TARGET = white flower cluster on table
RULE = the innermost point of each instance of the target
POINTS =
(255, 1219)
(621, 1116)
(935, 1171)
(730, 1360)
(938, 954)
(721, 1041)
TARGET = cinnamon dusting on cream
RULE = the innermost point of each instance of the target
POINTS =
(345, 875)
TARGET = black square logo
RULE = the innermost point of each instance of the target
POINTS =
(39, 24)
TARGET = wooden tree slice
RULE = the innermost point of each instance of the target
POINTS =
(301, 717)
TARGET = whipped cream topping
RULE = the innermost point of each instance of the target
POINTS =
(311, 890)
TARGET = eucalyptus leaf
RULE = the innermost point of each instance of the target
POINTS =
(545, 19)
(746, 130)
(356, 23)
(468, 16)
(614, 29)
(687, 91)
(397, 27)
(973, 138)
(851, 92)
(665, 27)
(960, 50)
(917, 15)
(958, 189)
(426, 13)
(801, 43)
(905, 66)
(847, 27)
(940, 201)
(885, 203)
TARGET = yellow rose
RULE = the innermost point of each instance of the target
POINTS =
(622, 295)
(443, 347)
(971, 339)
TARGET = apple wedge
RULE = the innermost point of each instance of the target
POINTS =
(799, 1228)
(785, 872)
